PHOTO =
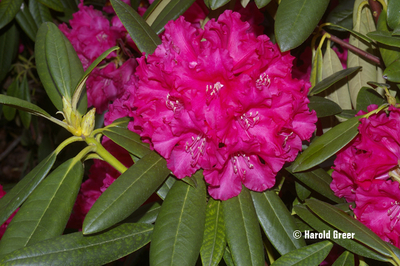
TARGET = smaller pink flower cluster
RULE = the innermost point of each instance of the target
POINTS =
(364, 170)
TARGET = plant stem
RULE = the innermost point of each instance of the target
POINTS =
(108, 157)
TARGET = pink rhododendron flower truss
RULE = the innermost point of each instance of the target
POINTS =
(221, 99)
(365, 170)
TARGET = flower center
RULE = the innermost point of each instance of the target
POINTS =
(212, 91)
(241, 162)
(263, 81)
(196, 148)
(249, 120)
(173, 103)
(394, 214)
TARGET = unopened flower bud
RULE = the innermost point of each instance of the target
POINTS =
(88, 121)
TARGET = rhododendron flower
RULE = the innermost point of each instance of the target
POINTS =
(221, 99)
(363, 172)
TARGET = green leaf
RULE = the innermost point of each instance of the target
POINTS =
(342, 221)
(23, 105)
(8, 10)
(349, 244)
(385, 38)
(261, 3)
(9, 39)
(301, 191)
(327, 145)
(316, 71)
(145, 214)
(342, 14)
(228, 257)
(142, 34)
(53, 4)
(347, 114)
(393, 10)
(76, 249)
(242, 230)
(26, 22)
(277, 222)
(40, 12)
(214, 242)
(355, 33)
(166, 187)
(368, 96)
(25, 95)
(14, 198)
(46, 211)
(128, 140)
(164, 13)
(8, 111)
(346, 259)
(296, 20)
(323, 107)
(392, 72)
(127, 193)
(179, 228)
(332, 79)
(318, 180)
(52, 63)
(310, 255)
(389, 54)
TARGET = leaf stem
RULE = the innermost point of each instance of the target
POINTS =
(67, 142)
(108, 157)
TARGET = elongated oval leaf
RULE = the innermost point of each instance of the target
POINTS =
(142, 34)
(12, 90)
(326, 145)
(368, 96)
(18, 194)
(145, 214)
(316, 71)
(277, 222)
(46, 211)
(53, 4)
(389, 53)
(25, 94)
(23, 105)
(76, 249)
(127, 193)
(40, 12)
(26, 22)
(385, 38)
(242, 230)
(342, 14)
(9, 38)
(261, 3)
(349, 244)
(166, 187)
(172, 11)
(342, 221)
(296, 20)
(393, 10)
(8, 10)
(346, 259)
(179, 228)
(323, 107)
(329, 81)
(309, 255)
(355, 33)
(214, 242)
(392, 72)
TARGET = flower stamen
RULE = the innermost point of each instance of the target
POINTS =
(249, 120)
(173, 103)
(196, 148)
(263, 81)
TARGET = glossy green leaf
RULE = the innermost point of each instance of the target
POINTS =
(396, 31)
(165, 188)
(342, 14)
(52, 63)
(340, 220)
(242, 230)
(393, 11)
(277, 222)
(26, 22)
(8, 111)
(53, 4)
(171, 11)
(152, 7)
(389, 53)
(145, 214)
(127, 193)
(349, 244)
(46, 211)
(215, 4)
(142, 34)
(355, 33)
(261, 3)
(323, 107)
(318, 180)
(345, 259)
(70, 4)
(347, 114)
(316, 71)
(214, 242)
(9, 38)
(363, 25)
(368, 96)
(14, 198)
(128, 140)
(228, 257)
(25, 95)
(296, 20)
(309, 255)
(179, 228)
(40, 12)
(332, 79)
(8, 10)
(76, 249)
(327, 145)
(385, 38)
(23, 105)
(392, 72)
(302, 192)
